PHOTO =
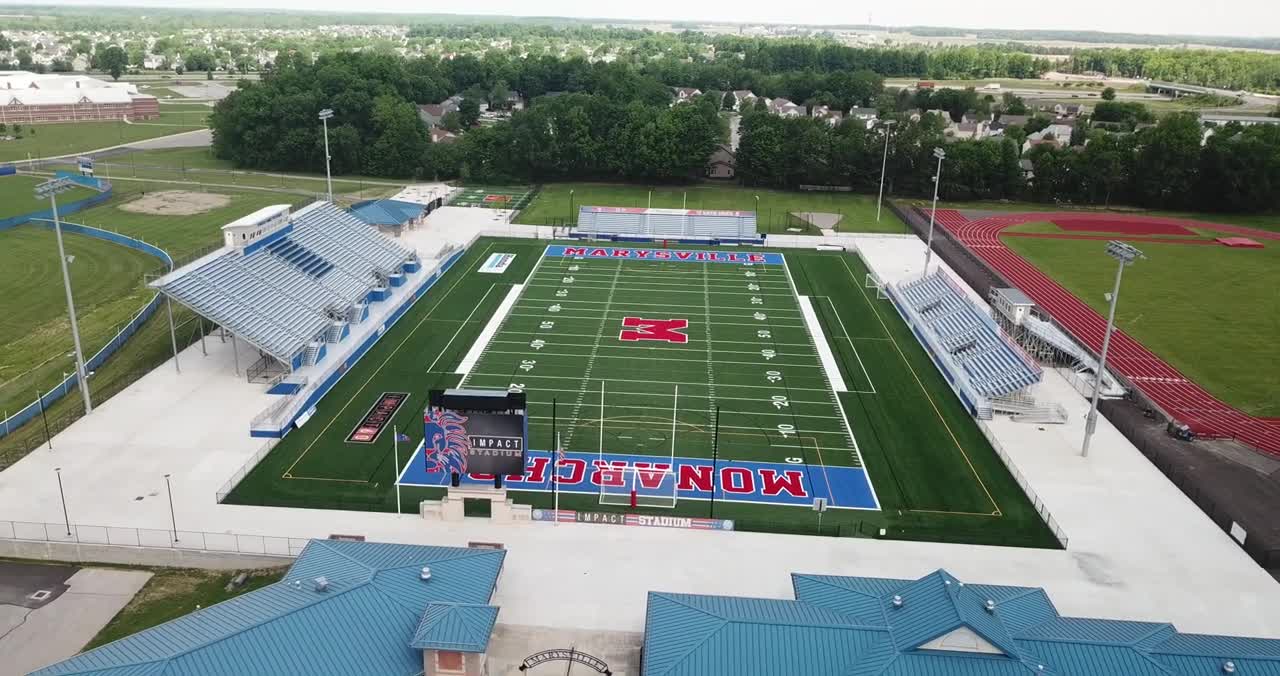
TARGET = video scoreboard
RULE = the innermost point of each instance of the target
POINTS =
(469, 431)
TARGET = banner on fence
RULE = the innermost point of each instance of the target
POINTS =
(618, 519)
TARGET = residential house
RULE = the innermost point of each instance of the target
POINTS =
(432, 113)
(867, 116)
(1070, 110)
(784, 108)
(686, 94)
(966, 131)
(723, 163)
(1028, 169)
(1036, 142)
(832, 117)
(442, 135)
(1005, 121)
(743, 98)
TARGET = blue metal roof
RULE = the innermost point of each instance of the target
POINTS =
(464, 627)
(360, 625)
(386, 212)
(850, 626)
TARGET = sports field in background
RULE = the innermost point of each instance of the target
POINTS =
(51, 140)
(500, 197)
(1212, 311)
(775, 210)
(18, 195)
(934, 475)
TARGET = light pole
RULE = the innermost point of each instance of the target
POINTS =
(50, 189)
(172, 519)
(937, 179)
(572, 220)
(63, 495)
(325, 116)
(1126, 255)
(884, 164)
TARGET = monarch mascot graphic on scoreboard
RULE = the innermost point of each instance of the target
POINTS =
(445, 442)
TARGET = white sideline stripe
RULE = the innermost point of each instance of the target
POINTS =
(820, 342)
(482, 341)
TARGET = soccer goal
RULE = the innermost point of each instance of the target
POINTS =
(638, 487)
(871, 281)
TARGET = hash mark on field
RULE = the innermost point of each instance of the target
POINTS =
(711, 372)
(591, 362)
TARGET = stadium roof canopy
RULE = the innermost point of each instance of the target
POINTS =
(856, 626)
(364, 622)
(386, 212)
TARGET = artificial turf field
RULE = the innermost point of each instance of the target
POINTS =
(935, 476)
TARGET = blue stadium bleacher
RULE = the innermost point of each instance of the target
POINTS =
(295, 290)
(973, 342)
(686, 225)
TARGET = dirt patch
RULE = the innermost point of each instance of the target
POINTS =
(177, 203)
(818, 219)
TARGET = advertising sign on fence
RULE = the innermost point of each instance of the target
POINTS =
(619, 519)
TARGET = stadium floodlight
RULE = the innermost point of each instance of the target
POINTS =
(884, 163)
(325, 116)
(50, 189)
(937, 180)
(572, 220)
(1125, 255)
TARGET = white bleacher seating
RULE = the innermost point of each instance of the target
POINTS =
(989, 360)
(667, 224)
(296, 288)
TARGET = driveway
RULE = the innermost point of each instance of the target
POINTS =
(38, 629)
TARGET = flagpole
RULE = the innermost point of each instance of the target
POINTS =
(555, 463)
(395, 434)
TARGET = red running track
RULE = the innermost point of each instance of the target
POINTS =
(1165, 385)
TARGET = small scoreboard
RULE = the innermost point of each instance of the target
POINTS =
(467, 431)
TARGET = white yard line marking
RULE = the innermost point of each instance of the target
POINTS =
(650, 382)
(591, 363)
(503, 322)
(461, 326)
(490, 330)
(855, 348)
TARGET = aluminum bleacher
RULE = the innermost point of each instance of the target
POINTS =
(967, 343)
(682, 225)
(292, 284)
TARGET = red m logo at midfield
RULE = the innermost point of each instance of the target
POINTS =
(638, 328)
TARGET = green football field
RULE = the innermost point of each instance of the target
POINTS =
(935, 476)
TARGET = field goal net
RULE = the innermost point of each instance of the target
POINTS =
(638, 487)
(872, 281)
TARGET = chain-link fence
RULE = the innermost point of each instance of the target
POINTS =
(75, 533)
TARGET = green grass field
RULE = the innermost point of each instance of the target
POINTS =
(934, 474)
(174, 592)
(34, 342)
(1211, 311)
(774, 211)
(181, 236)
(53, 140)
(199, 167)
(17, 195)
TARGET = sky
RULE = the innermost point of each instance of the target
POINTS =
(1250, 18)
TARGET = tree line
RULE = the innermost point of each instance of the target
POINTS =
(1254, 71)
(602, 121)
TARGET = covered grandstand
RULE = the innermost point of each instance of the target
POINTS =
(292, 284)
(692, 226)
(984, 366)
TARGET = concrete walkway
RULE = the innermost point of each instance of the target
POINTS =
(1138, 548)
(37, 638)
